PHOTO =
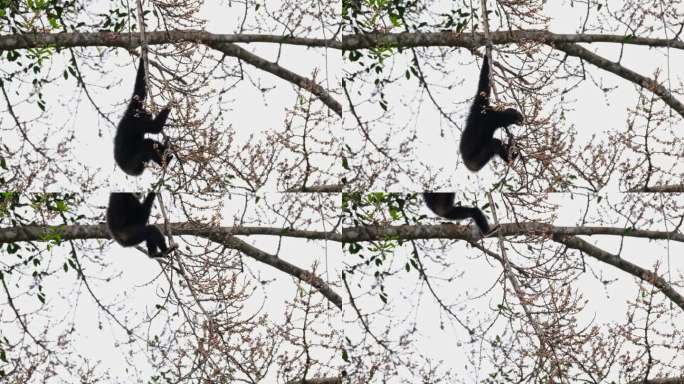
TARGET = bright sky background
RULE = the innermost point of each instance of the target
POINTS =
(410, 300)
(134, 288)
(251, 112)
(593, 112)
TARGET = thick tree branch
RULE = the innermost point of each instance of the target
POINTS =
(620, 263)
(99, 231)
(222, 235)
(223, 43)
(351, 234)
(564, 42)
(234, 50)
(125, 40)
(233, 242)
(664, 380)
(358, 41)
(325, 380)
(226, 44)
(225, 235)
(660, 188)
(462, 232)
(323, 188)
(563, 235)
(470, 40)
(627, 74)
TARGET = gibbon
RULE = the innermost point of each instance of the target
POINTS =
(478, 144)
(127, 223)
(131, 149)
(442, 204)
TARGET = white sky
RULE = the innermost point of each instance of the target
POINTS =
(409, 300)
(128, 279)
(252, 113)
(592, 112)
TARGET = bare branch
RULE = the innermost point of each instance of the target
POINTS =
(231, 49)
(618, 262)
(125, 40)
(223, 43)
(665, 380)
(564, 42)
(474, 40)
(280, 264)
(333, 188)
(661, 188)
(222, 235)
(462, 232)
(323, 380)
(625, 73)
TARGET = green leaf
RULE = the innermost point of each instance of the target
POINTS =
(345, 163)
(53, 22)
(395, 20)
(13, 248)
(355, 248)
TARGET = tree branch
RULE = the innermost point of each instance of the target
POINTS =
(223, 43)
(563, 235)
(661, 188)
(324, 380)
(125, 40)
(222, 235)
(278, 263)
(474, 40)
(234, 50)
(627, 74)
(462, 232)
(564, 42)
(664, 380)
(351, 234)
(323, 188)
(99, 231)
(620, 263)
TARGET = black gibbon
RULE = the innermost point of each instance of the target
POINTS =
(442, 204)
(131, 149)
(127, 222)
(478, 144)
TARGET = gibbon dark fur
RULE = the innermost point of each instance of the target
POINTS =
(127, 222)
(131, 149)
(442, 204)
(478, 144)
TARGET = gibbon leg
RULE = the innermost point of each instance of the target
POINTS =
(136, 163)
(153, 150)
(459, 213)
(155, 240)
(146, 207)
(133, 234)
